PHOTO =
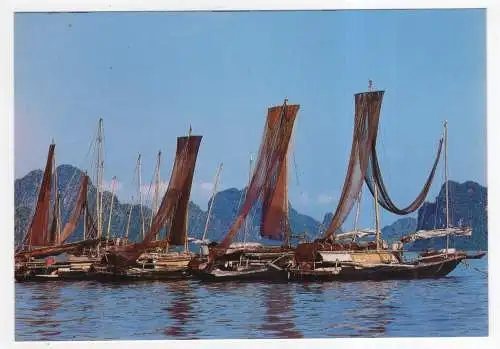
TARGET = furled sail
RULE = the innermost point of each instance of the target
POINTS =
(366, 119)
(436, 233)
(268, 165)
(80, 205)
(274, 219)
(74, 247)
(38, 231)
(373, 177)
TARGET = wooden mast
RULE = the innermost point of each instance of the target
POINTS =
(358, 208)
(111, 208)
(85, 218)
(186, 220)
(214, 192)
(128, 220)
(140, 195)
(377, 222)
(446, 181)
(377, 219)
(156, 192)
(57, 206)
(100, 176)
(249, 180)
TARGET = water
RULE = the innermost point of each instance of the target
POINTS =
(453, 306)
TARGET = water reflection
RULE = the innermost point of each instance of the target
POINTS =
(46, 303)
(181, 309)
(370, 312)
(279, 318)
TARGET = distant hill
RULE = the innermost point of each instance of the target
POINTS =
(468, 205)
(396, 230)
(224, 211)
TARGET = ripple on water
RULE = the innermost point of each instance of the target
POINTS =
(453, 306)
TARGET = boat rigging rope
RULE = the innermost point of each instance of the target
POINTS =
(469, 266)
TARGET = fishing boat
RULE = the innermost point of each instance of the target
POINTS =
(331, 259)
(446, 232)
(153, 257)
(35, 255)
(268, 182)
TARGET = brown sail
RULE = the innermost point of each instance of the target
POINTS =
(274, 219)
(182, 181)
(373, 177)
(38, 231)
(171, 208)
(268, 166)
(366, 119)
(78, 210)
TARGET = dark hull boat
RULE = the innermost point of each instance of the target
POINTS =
(476, 255)
(325, 259)
(264, 263)
(137, 274)
(268, 182)
(151, 259)
(73, 269)
(149, 266)
(242, 273)
(45, 238)
(381, 271)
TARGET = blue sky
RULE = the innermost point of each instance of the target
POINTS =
(152, 74)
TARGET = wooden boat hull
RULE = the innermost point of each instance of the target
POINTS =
(257, 274)
(377, 271)
(145, 275)
(75, 269)
(47, 275)
(477, 255)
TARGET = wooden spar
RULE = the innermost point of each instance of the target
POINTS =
(249, 180)
(446, 180)
(111, 208)
(216, 182)
(140, 196)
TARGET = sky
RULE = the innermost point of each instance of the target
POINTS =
(150, 75)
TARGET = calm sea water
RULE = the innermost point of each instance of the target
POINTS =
(453, 306)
